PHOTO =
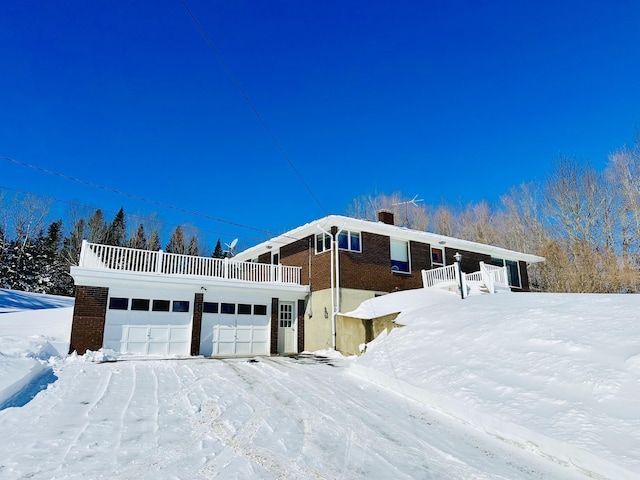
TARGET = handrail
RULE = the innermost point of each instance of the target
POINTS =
(125, 259)
(439, 275)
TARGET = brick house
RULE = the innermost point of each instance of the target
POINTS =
(280, 296)
(345, 261)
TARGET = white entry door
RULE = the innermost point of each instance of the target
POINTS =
(286, 328)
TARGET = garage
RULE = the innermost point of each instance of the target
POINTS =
(230, 328)
(148, 326)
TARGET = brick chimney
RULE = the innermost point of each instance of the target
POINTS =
(385, 216)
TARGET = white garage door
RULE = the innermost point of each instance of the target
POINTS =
(235, 330)
(155, 339)
(148, 326)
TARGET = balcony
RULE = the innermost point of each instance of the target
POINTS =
(133, 260)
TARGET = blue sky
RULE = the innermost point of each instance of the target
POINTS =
(455, 101)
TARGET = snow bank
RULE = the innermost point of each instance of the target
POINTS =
(22, 362)
(558, 373)
(404, 301)
(35, 329)
(15, 301)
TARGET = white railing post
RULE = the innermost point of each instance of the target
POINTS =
(225, 273)
(82, 253)
(159, 262)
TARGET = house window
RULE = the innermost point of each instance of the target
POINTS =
(400, 256)
(210, 307)
(160, 305)
(437, 257)
(140, 304)
(323, 242)
(513, 271)
(118, 303)
(228, 308)
(259, 309)
(348, 240)
(180, 305)
(244, 309)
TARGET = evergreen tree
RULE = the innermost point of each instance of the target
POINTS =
(193, 247)
(177, 242)
(218, 252)
(139, 240)
(116, 232)
(97, 228)
(154, 241)
(72, 245)
(4, 260)
(49, 272)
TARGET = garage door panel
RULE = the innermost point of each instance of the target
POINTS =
(243, 334)
(159, 334)
(260, 335)
(179, 335)
(135, 334)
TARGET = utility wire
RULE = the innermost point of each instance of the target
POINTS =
(136, 197)
(250, 103)
(139, 218)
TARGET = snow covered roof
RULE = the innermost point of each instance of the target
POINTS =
(380, 228)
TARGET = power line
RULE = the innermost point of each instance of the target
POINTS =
(135, 197)
(139, 218)
(250, 103)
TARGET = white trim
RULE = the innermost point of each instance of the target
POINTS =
(444, 256)
(391, 231)
(349, 234)
(406, 250)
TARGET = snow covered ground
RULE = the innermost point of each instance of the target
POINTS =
(507, 387)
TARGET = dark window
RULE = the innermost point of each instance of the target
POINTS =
(118, 303)
(259, 309)
(437, 258)
(141, 304)
(180, 305)
(244, 309)
(348, 240)
(210, 307)
(323, 242)
(161, 305)
(229, 308)
(513, 272)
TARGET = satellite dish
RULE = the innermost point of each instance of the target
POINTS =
(230, 247)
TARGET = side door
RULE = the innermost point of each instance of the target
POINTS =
(286, 328)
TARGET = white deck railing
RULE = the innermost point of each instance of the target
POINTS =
(125, 259)
(489, 275)
(436, 276)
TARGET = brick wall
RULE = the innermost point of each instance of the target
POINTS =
(196, 329)
(274, 325)
(371, 269)
(470, 260)
(89, 314)
(524, 277)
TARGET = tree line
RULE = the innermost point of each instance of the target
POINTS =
(585, 222)
(36, 257)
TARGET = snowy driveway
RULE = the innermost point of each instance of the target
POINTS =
(238, 419)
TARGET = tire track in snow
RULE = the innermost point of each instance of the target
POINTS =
(104, 385)
(240, 439)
